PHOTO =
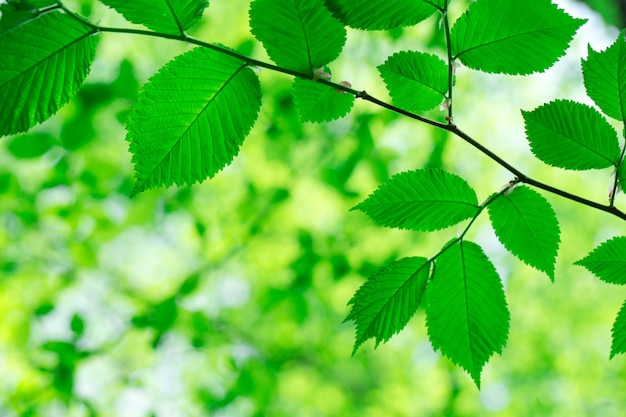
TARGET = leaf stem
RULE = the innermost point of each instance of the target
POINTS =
(446, 27)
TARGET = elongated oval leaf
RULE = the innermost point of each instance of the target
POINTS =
(527, 226)
(191, 118)
(56, 45)
(167, 16)
(382, 14)
(608, 261)
(301, 35)
(427, 200)
(618, 333)
(316, 102)
(571, 135)
(512, 36)
(466, 310)
(604, 75)
(388, 299)
(416, 81)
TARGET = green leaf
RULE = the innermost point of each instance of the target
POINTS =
(608, 261)
(466, 310)
(604, 75)
(301, 35)
(17, 12)
(56, 45)
(427, 200)
(30, 145)
(191, 118)
(416, 81)
(512, 36)
(618, 333)
(385, 303)
(571, 135)
(527, 226)
(316, 102)
(381, 14)
(166, 16)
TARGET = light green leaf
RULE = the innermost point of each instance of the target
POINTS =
(466, 310)
(191, 118)
(301, 35)
(618, 333)
(316, 102)
(384, 304)
(166, 16)
(426, 200)
(512, 36)
(608, 261)
(571, 135)
(382, 14)
(416, 81)
(604, 75)
(54, 44)
(527, 226)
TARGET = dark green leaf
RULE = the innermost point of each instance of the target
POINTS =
(416, 81)
(317, 102)
(31, 145)
(388, 299)
(381, 14)
(527, 226)
(571, 135)
(466, 311)
(605, 78)
(56, 45)
(167, 16)
(427, 200)
(608, 261)
(77, 325)
(191, 118)
(618, 333)
(512, 36)
(300, 35)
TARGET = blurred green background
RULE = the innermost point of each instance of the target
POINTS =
(227, 298)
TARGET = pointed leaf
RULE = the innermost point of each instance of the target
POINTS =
(527, 226)
(56, 45)
(466, 311)
(191, 118)
(301, 35)
(416, 81)
(512, 36)
(427, 200)
(608, 261)
(316, 102)
(605, 78)
(166, 16)
(618, 333)
(571, 135)
(389, 298)
(382, 14)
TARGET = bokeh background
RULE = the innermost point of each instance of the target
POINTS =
(228, 298)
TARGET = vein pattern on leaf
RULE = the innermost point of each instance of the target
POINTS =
(381, 14)
(55, 45)
(512, 36)
(166, 16)
(466, 310)
(571, 135)
(618, 333)
(527, 226)
(385, 303)
(300, 35)
(604, 75)
(416, 81)
(608, 261)
(191, 118)
(426, 200)
(316, 102)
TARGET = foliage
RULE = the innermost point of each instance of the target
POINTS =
(191, 118)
